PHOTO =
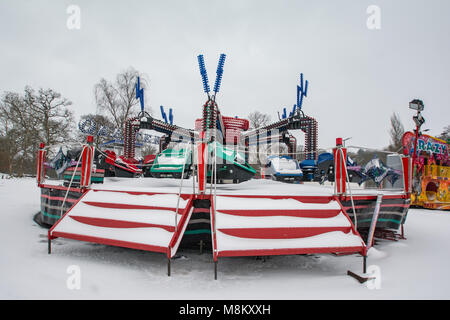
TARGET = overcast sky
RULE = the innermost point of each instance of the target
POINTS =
(358, 77)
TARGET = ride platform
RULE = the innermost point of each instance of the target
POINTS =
(253, 218)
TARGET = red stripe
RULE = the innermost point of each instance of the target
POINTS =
(111, 242)
(181, 224)
(272, 252)
(138, 193)
(58, 198)
(382, 206)
(129, 206)
(48, 186)
(325, 213)
(357, 207)
(281, 233)
(79, 169)
(110, 223)
(304, 199)
(372, 197)
(201, 210)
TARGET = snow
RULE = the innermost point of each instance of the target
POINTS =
(329, 239)
(227, 221)
(148, 236)
(285, 166)
(160, 200)
(416, 268)
(162, 217)
(235, 203)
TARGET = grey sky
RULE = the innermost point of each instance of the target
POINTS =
(358, 77)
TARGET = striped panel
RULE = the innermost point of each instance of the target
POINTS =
(393, 211)
(52, 199)
(146, 221)
(282, 225)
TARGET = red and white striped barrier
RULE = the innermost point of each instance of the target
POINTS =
(87, 162)
(279, 225)
(340, 162)
(138, 220)
(407, 173)
(202, 156)
(40, 169)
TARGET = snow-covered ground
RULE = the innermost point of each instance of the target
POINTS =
(416, 268)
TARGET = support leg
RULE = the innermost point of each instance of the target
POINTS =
(364, 264)
(215, 270)
(49, 245)
(168, 267)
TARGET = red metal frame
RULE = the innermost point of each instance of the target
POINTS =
(287, 251)
(406, 165)
(181, 225)
(86, 166)
(340, 172)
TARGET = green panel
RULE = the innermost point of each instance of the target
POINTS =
(199, 231)
(381, 220)
(77, 178)
(50, 215)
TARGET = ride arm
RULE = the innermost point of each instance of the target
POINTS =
(150, 123)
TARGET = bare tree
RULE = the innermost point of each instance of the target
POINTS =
(118, 99)
(28, 119)
(20, 132)
(54, 118)
(396, 132)
(149, 149)
(445, 135)
(258, 119)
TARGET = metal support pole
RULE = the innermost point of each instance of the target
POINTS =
(168, 267)
(403, 233)
(215, 270)
(49, 245)
(364, 264)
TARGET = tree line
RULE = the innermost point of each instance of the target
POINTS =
(43, 115)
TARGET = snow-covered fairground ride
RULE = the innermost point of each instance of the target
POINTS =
(256, 217)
